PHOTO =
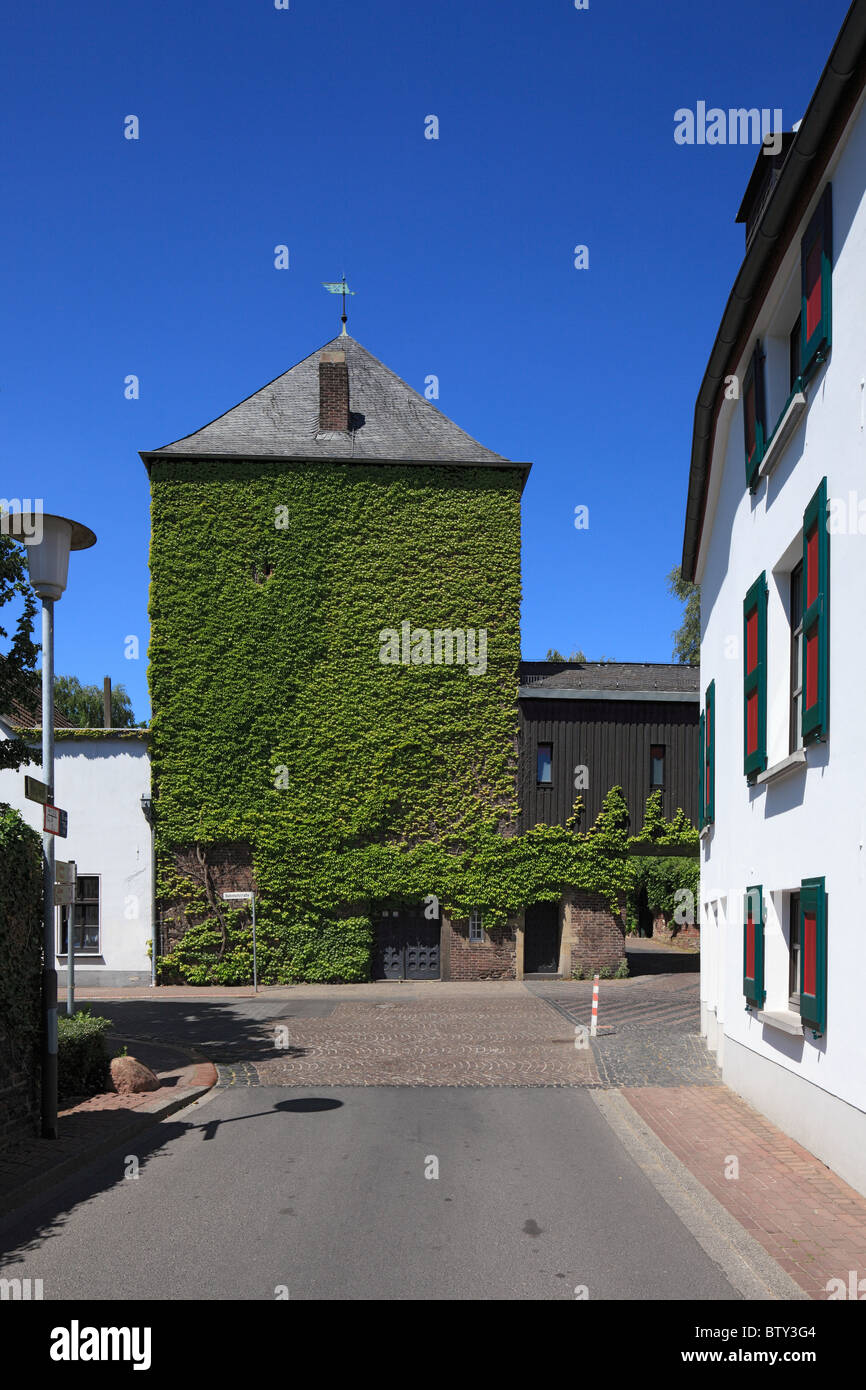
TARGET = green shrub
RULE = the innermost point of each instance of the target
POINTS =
(82, 1060)
(20, 966)
(605, 973)
(621, 972)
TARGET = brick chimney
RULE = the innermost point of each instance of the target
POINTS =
(333, 392)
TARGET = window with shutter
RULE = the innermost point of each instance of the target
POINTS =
(815, 703)
(754, 417)
(813, 954)
(755, 678)
(816, 275)
(753, 947)
(710, 756)
(702, 763)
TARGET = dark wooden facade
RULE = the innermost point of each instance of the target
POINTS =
(612, 739)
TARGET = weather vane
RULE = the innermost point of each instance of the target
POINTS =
(339, 287)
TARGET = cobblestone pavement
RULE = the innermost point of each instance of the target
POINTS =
(648, 1031)
(449, 1042)
(810, 1221)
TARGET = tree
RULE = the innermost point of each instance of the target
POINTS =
(18, 662)
(554, 655)
(687, 637)
(83, 704)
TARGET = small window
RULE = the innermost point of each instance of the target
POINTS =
(85, 918)
(545, 764)
(476, 929)
(796, 619)
(794, 952)
(657, 766)
(794, 353)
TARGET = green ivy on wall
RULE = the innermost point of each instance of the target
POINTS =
(276, 725)
(671, 883)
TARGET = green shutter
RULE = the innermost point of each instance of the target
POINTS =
(710, 756)
(755, 679)
(702, 759)
(816, 618)
(753, 947)
(813, 954)
(818, 238)
(754, 381)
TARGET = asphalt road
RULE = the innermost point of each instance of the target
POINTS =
(324, 1192)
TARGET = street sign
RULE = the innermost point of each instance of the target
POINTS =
(249, 897)
(64, 882)
(35, 790)
(55, 821)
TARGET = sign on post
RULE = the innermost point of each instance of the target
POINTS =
(65, 875)
(35, 790)
(248, 897)
(55, 821)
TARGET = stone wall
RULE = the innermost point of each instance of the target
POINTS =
(493, 958)
(592, 937)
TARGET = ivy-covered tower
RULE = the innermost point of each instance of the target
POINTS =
(335, 589)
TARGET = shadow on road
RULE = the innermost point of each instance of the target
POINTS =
(24, 1231)
(237, 1030)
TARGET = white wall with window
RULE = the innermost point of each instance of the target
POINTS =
(99, 780)
(782, 568)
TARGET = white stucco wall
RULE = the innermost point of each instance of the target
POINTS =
(814, 821)
(100, 782)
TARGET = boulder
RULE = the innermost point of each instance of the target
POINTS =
(129, 1076)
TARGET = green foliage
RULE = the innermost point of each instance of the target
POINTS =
(622, 972)
(84, 704)
(554, 655)
(687, 637)
(354, 783)
(662, 878)
(20, 960)
(18, 651)
(82, 1054)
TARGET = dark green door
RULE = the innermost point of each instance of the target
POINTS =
(541, 939)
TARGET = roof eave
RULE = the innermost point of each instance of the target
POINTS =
(832, 104)
(151, 456)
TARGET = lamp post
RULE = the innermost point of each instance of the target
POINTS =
(48, 561)
(149, 809)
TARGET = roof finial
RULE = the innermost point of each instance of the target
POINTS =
(339, 287)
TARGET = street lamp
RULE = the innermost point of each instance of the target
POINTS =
(48, 550)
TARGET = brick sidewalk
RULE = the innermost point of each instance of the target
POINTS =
(810, 1221)
(92, 1128)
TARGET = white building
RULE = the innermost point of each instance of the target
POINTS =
(776, 537)
(100, 777)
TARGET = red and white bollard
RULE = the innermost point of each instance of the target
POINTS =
(594, 1025)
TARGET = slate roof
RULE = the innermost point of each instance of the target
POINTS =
(391, 421)
(611, 675)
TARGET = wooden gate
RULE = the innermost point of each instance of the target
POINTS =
(406, 945)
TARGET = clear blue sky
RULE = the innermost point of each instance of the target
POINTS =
(306, 127)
